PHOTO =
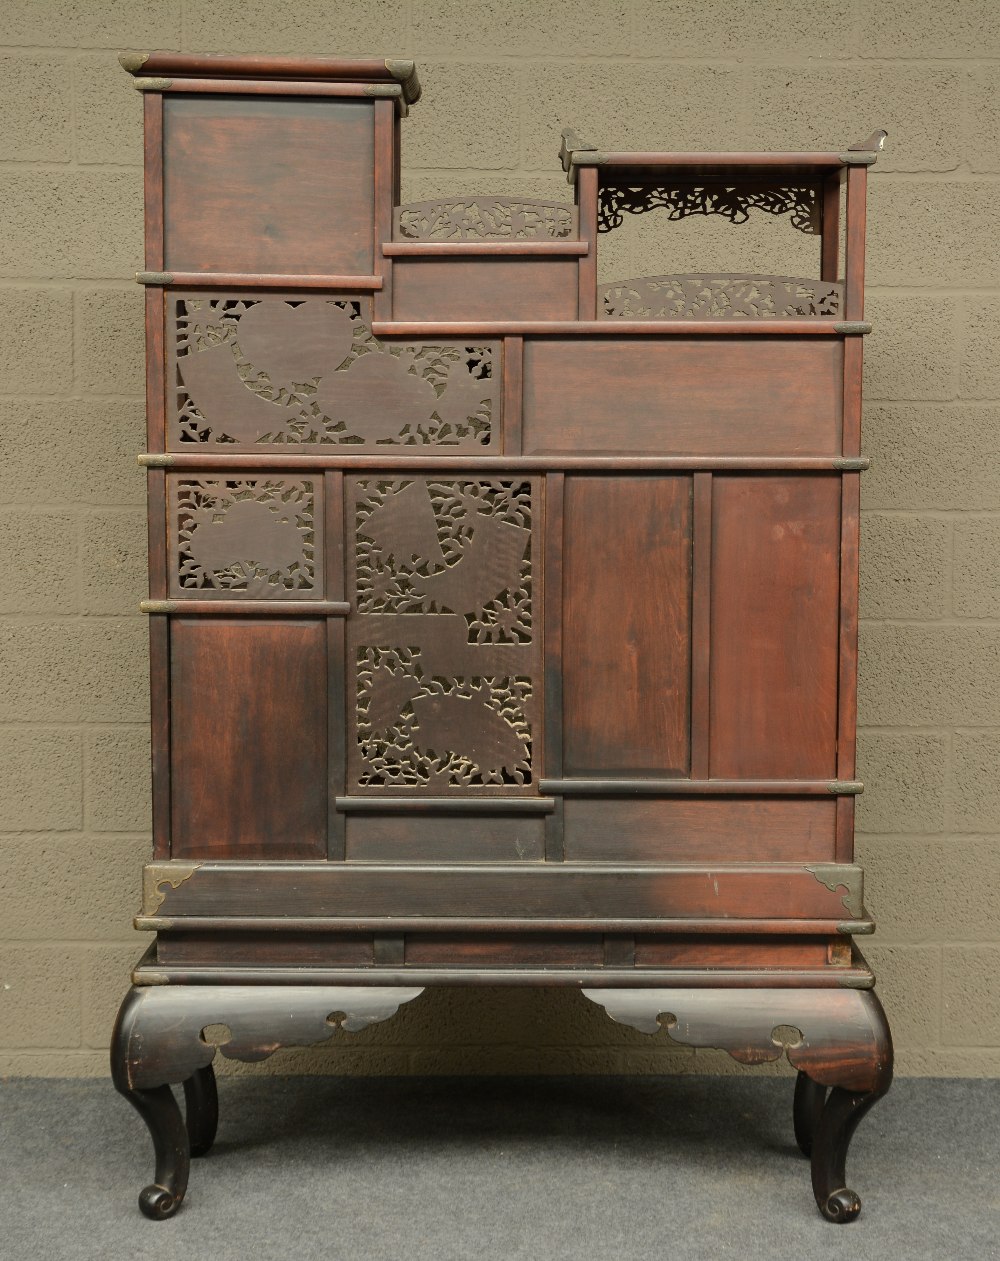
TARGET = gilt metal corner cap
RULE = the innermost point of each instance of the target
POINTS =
(132, 62)
(572, 151)
(404, 71)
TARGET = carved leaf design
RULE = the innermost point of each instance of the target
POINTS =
(277, 371)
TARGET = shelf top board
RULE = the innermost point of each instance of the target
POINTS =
(249, 66)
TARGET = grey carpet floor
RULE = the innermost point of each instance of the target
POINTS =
(580, 1168)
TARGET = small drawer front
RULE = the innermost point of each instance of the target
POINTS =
(485, 288)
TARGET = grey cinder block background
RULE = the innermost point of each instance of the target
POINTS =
(501, 78)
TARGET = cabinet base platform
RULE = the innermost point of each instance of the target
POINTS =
(168, 1034)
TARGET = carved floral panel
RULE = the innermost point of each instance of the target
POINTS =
(721, 297)
(486, 219)
(444, 643)
(252, 538)
(734, 202)
(279, 371)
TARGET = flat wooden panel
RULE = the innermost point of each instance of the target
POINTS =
(775, 611)
(244, 949)
(700, 829)
(525, 949)
(484, 289)
(248, 738)
(738, 952)
(461, 838)
(264, 184)
(708, 396)
(556, 892)
(626, 625)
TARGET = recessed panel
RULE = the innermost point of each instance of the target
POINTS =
(775, 626)
(281, 185)
(248, 738)
(485, 289)
(683, 395)
(699, 829)
(626, 625)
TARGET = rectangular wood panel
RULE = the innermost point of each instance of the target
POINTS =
(248, 738)
(683, 396)
(626, 625)
(267, 184)
(453, 838)
(775, 612)
(699, 829)
(484, 289)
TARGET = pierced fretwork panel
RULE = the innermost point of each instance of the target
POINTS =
(720, 297)
(443, 648)
(254, 538)
(485, 219)
(733, 201)
(279, 370)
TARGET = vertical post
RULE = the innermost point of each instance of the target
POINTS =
(334, 524)
(552, 588)
(513, 359)
(830, 239)
(701, 623)
(857, 187)
(586, 200)
(386, 196)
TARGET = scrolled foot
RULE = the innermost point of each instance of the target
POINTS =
(201, 1104)
(841, 1206)
(841, 1115)
(157, 1203)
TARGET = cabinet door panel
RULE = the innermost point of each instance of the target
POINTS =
(775, 610)
(627, 625)
(248, 738)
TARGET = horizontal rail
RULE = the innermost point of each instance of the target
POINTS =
(445, 805)
(474, 924)
(714, 978)
(249, 608)
(821, 326)
(447, 249)
(253, 280)
(220, 458)
(701, 787)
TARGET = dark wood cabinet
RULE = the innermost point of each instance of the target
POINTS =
(503, 625)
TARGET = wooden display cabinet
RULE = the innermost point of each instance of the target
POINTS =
(503, 626)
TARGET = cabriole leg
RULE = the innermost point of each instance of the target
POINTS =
(158, 1108)
(841, 1116)
(807, 1109)
(201, 1102)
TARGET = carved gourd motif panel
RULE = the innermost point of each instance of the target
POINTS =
(251, 538)
(279, 370)
(722, 296)
(485, 219)
(444, 646)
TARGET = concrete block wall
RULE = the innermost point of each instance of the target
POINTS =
(501, 79)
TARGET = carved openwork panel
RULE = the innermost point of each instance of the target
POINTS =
(279, 370)
(722, 297)
(485, 219)
(253, 538)
(444, 647)
(734, 202)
